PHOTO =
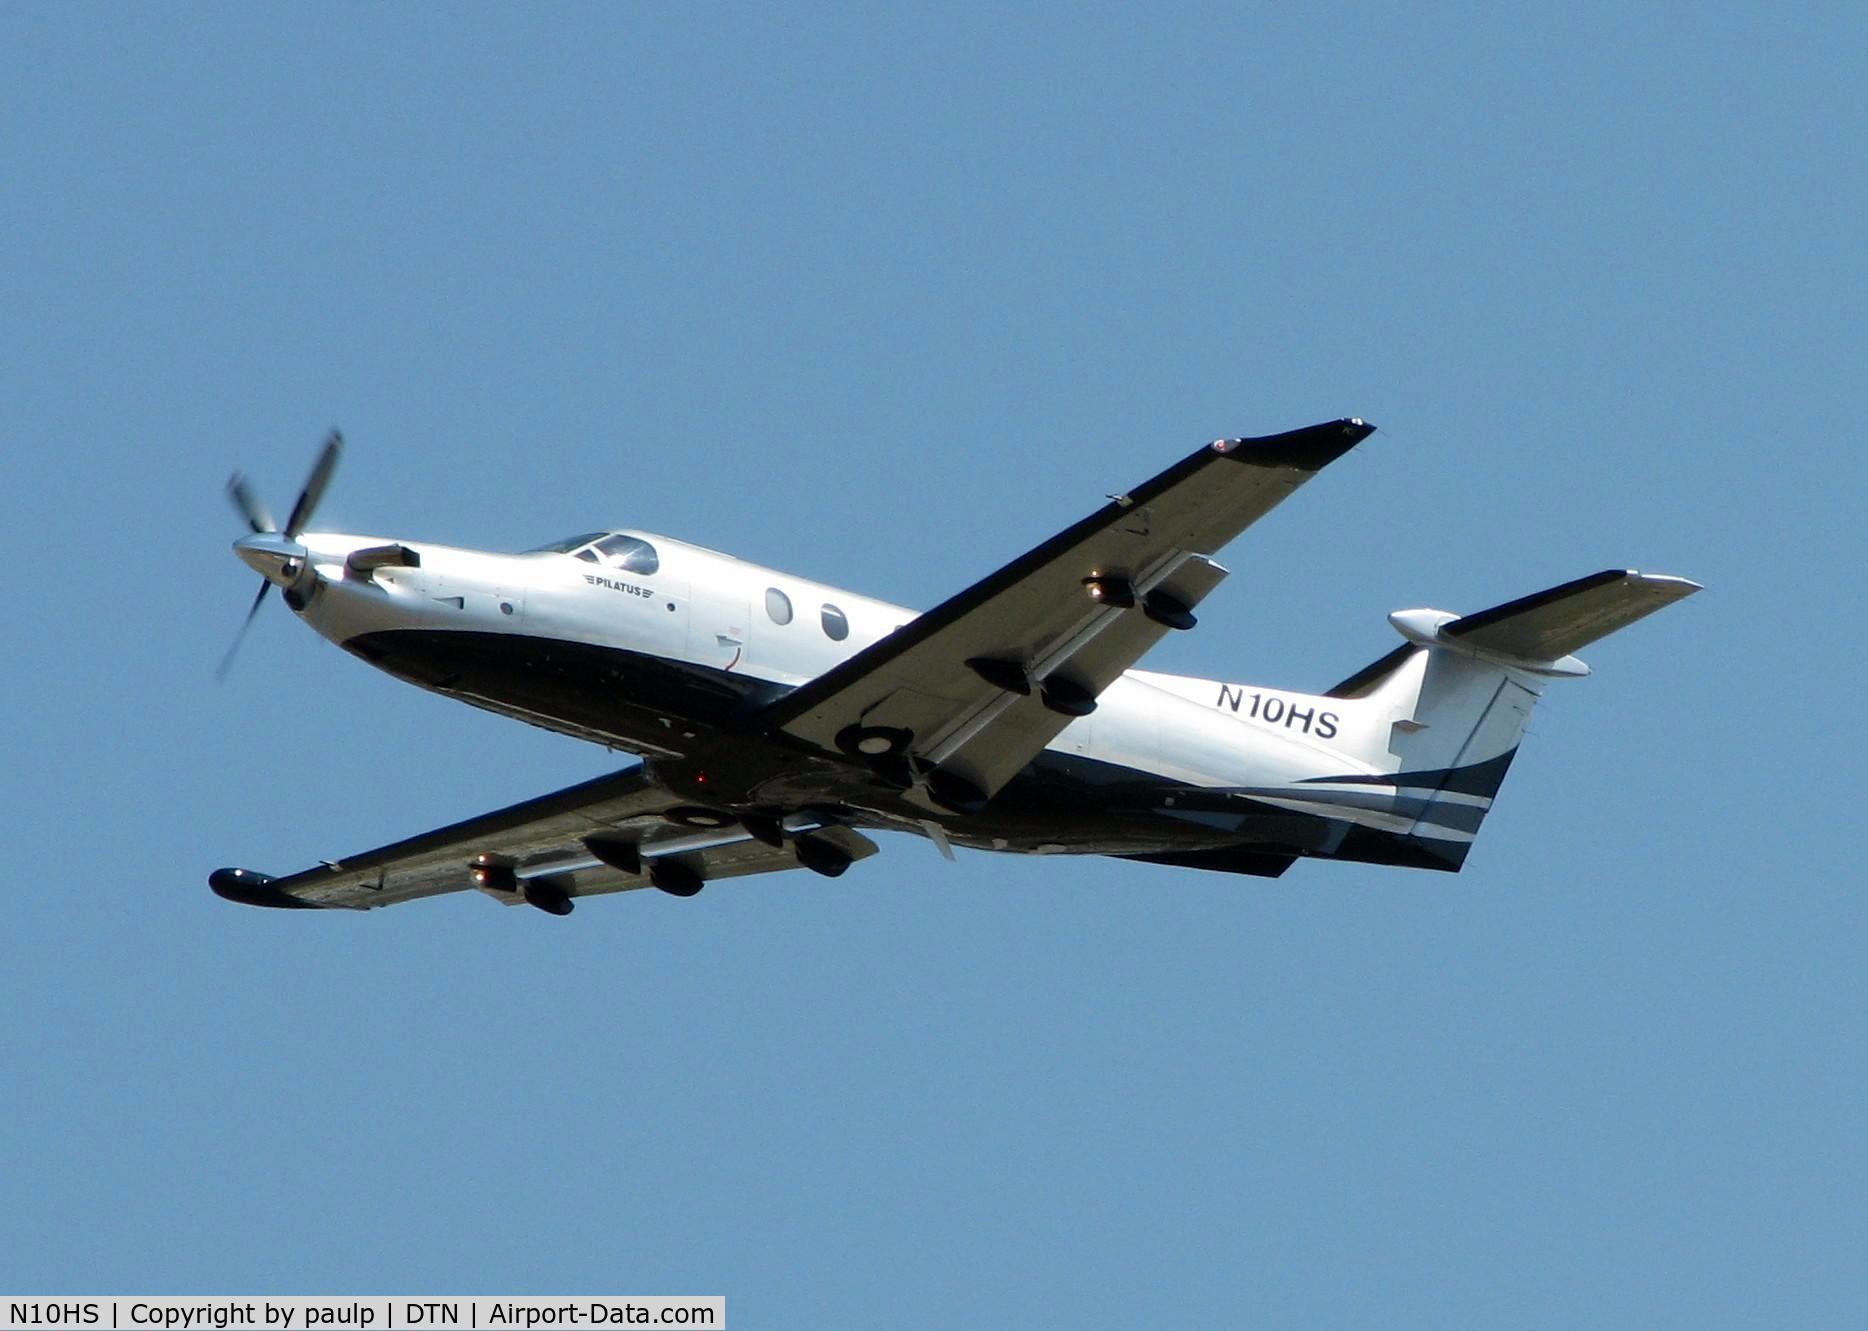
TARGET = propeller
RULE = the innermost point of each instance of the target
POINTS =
(257, 515)
(259, 522)
(314, 485)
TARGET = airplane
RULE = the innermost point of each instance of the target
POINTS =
(781, 722)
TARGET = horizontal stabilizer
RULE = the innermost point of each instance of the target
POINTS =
(1372, 676)
(1549, 625)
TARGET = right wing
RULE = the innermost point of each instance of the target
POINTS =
(612, 834)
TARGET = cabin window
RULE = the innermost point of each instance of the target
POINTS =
(631, 554)
(836, 624)
(777, 605)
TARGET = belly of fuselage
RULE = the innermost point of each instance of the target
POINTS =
(702, 716)
(607, 694)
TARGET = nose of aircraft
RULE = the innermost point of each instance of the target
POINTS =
(271, 556)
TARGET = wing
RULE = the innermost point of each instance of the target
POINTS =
(967, 694)
(609, 835)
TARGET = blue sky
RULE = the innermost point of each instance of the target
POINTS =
(885, 301)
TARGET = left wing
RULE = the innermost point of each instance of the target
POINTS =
(967, 694)
(612, 834)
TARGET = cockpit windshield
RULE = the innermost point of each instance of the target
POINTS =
(565, 546)
(632, 554)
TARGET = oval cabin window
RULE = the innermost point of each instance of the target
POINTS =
(836, 624)
(777, 605)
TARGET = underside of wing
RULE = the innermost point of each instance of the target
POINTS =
(612, 834)
(958, 701)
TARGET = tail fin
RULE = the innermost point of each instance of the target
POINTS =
(1458, 695)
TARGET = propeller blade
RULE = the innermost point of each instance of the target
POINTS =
(314, 486)
(249, 504)
(240, 637)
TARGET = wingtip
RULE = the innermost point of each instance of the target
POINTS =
(1309, 449)
(1671, 584)
(254, 889)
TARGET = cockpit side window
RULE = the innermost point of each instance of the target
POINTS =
(632, 554)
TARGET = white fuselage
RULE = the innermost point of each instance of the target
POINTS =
(675, 651)
(711, 611)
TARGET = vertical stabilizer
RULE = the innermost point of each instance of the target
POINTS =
(1454, 723)
(1459, 696)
